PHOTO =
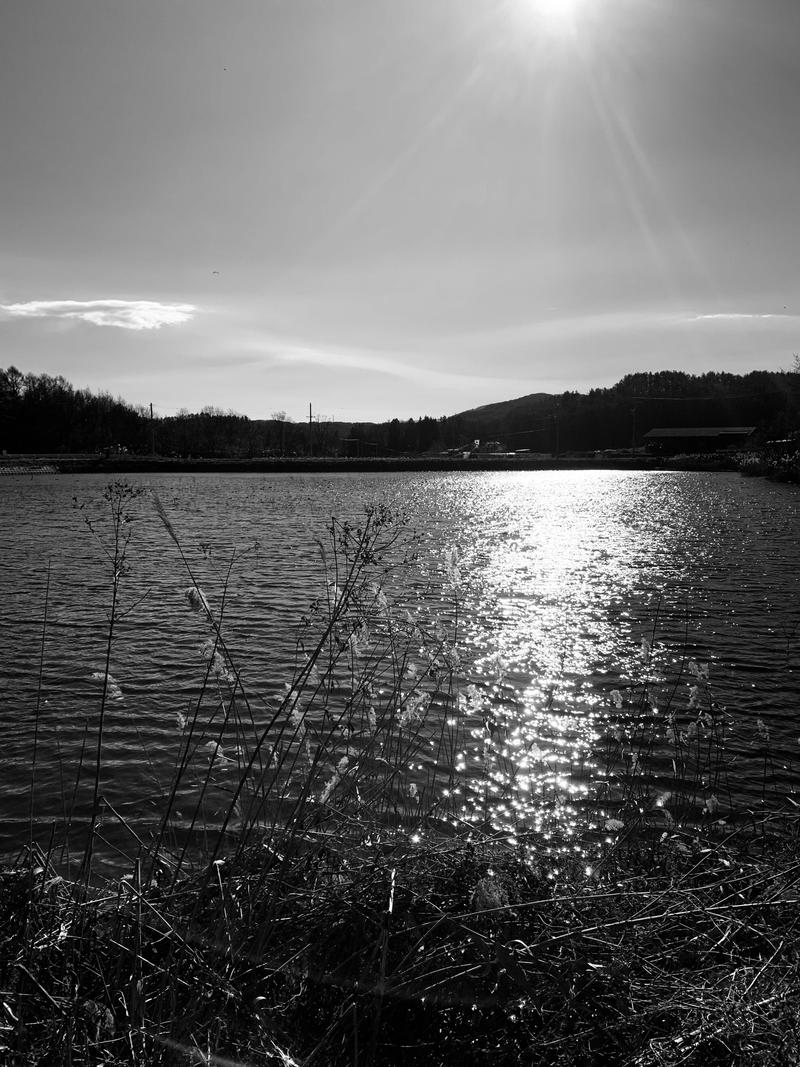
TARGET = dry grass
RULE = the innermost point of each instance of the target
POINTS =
(447, 954)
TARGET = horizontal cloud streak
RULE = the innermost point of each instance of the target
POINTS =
(554, 327)
(737, 316)
(124, 314)
(396, 364)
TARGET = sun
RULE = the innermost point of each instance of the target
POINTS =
(555, 17)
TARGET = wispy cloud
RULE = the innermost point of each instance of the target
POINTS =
(574, 326)
(400, 364)
(125, 314)
(733, 316)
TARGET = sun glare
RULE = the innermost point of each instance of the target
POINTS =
(557, 17)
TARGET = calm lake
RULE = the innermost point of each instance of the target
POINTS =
(577, 589)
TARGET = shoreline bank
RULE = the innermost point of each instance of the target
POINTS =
(84, 464)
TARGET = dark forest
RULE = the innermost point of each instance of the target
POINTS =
(48, 415)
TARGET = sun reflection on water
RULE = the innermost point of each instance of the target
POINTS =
(547, 621)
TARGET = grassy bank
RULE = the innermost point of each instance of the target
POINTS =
(131, 465)
(128, 466)
(782, 467)
(344, 911)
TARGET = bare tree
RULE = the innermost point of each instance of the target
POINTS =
(282, 418)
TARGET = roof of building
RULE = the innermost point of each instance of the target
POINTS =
(701, 431)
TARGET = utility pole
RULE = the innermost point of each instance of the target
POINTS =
(152, 432)
(310, 433)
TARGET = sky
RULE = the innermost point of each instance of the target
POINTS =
(395, 208)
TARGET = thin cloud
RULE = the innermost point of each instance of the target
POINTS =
(124, 314)
(733, 316)
(397, 364)
(565, 327)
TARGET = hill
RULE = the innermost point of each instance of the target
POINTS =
(619, 416)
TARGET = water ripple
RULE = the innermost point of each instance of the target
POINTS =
(564, 576)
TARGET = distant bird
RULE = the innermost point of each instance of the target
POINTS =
(215, 272)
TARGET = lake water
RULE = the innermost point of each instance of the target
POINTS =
(587, 602)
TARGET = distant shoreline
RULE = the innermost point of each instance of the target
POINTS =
(127, 464)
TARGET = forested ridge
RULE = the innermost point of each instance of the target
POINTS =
(619, 416)
(44, 414)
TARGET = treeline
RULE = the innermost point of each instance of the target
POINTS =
(45, 414)
(618, 417)
(614, 418)
(39, 413)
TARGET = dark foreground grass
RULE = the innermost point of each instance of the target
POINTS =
(343, 914)
(454, 953)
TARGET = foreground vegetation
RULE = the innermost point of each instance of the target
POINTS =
(345, 911)
(454, 953)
